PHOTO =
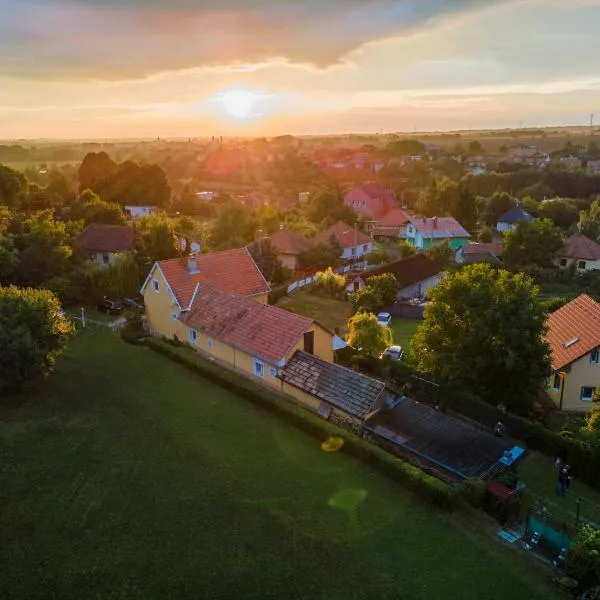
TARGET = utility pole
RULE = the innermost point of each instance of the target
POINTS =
(592, 124)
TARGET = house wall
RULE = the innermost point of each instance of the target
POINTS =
(582, 373)
(262, 298)
(360, 250)
(98, 257)
(424, 243)
(289, 261)
(502, 227)
(160, 306)
(140, 211)
(419, 289)
(590, 265)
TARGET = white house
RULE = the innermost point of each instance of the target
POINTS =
(139, 211)
(103, 243)
(355, 244)
(205, 196)
(580, 250)
(509, 220)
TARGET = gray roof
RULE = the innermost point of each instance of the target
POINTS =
(348, 390)
(515, 215)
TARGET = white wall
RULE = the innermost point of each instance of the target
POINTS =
(419, 289)
(99, 258)
(502, 227)
(139, 211)
(360, 250)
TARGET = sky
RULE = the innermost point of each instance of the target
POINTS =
(194, 68)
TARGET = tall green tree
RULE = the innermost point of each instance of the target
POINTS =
(32, 333)
(325, 206)
(532, 243)
(235, 226)
(441, 254)
(562, 212)
(90, 208)
(266, 258)
(95, 167)
(367, 336)
(320, 256)
(13, 187)
(451, 198)
(499, 204)
(159, 238)
(589, 221)
(483, 333)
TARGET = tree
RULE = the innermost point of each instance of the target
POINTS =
(320, 256)
(90, 208)
(475, 147)
(159, 239)
(365, 300)
(532, 243)
(367, 335)
(325, 206)
(499, 204)
(122, 279)
(378, 256)
(266, 259)
(13, 187)
(455, 198)
(483, 333)
(234, 226)
(538, 191)
(385, 287)
(32, 333)
(329, 283)
(405, 248)
(486, 235)
(583, 558)
(441, 254)
(406, 148)
(589, 221)
(563, 213)
(94, 168)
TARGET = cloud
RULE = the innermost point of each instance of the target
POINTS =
(116, 39)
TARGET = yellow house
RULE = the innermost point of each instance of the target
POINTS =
(171, 284)
(335, 392)
(574, 339)
(581, 251)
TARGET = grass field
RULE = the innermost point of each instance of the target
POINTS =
(404, 330)
(126, 476)
(329, 312)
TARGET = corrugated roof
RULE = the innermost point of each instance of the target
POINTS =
(348, 390)
(581, 247)
(99, 237)
(439, 227)
(289, 242)
(232, 270)
(262, 330)
(515, 215)
(573, 330)
(347, 236)
(408, 271)
(494, 248)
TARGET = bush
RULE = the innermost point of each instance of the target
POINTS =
(329, 283)
(277, 293)
(551, 305)
(474, 492)
(583, 558)
(508, 479)
(426, 486)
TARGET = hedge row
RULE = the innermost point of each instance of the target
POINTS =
(426, 486)
(584, 460)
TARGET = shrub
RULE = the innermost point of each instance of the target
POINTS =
(474, 491)
(329, 283)
(426, 486)
(508, 479)
(551, 305)
(277, 293)
(583, 558)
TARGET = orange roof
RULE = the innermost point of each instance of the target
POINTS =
(262, 330)
(495, 248)
(99, 237)
(289, 242)
(232, 270)
(347, 236)
(395, 218)
(580, 246)
(573, 331)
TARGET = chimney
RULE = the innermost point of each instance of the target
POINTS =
(192, 265)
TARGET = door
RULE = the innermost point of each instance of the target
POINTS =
(309, 342)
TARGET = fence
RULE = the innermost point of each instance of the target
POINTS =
(308, 281)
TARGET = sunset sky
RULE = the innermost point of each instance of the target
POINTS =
(145, 68)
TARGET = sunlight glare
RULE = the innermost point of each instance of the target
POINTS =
(239, 104)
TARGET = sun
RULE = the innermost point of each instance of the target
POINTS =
(239, 104)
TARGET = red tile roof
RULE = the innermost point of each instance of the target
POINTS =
(439, 227)
(408, 271)
(262, 330)
(573, 331)
(347, 236)
(99, 237)
(289, 242)
(581, 247)
(494, 248)
(374, 191)
(232, 270)
(395, 218)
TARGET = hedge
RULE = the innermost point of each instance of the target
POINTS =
(424, 485)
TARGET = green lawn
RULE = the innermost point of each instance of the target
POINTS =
(329, 312)
(404, 330)
(126, 476)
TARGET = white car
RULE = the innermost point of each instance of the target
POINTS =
(384, 319)
(393, 352)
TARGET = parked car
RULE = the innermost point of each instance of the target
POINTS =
(393, 352)
(384, 319)
(133, 303)
(110, 306)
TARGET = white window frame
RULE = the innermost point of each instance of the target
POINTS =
(155, 286)
(273, 372)
(557, 376)
(259, 367)
(587, 398)
(595, 356)
(174, 317)
(193, 336)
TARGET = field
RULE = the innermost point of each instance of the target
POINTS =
(125, 476)
(404, 330)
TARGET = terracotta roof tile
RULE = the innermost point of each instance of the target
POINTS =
(573, 330)
(494, 248)
(580, 246)
(407, 271)
(289, 242)
(395, 218)
(262, 330)
(439, 227)
(99, 237)
(353, 392)
(232, 270)
(347, 236)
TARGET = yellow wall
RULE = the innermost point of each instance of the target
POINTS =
(262, 298)
(582, 373)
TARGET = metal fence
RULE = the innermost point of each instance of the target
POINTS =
(308, 281)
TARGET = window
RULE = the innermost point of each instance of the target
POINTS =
(595, 356)
(209, 344)
(563, 262)
(106, 259)
(353, 251)
(556, 384)
(173, 316)
(587, 392)
(259, 367)
(273, 372)
(193, 336)
(155, 286)
(581, 264)
(365, 248)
